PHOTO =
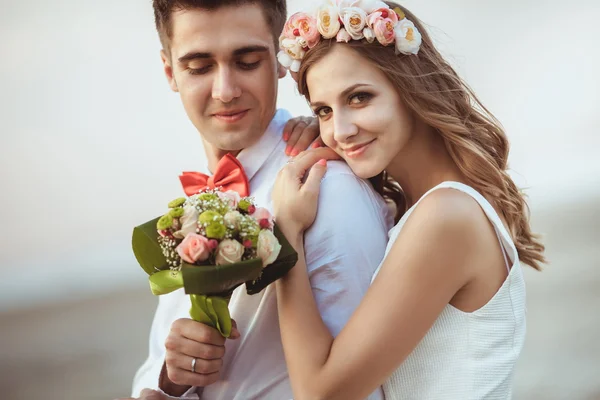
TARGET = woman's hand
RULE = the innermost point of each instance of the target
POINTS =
(295, 198)
(301, 133)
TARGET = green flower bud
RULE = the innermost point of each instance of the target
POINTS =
(254, 239)
(165, 222)
(208, 197)
(176, 212)
(252, 230)
(216, 230)
(209, 217)
(177, 202)
(244, 205)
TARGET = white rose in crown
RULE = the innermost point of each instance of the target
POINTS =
(291, 54)
(188, 221)
(368, 5)
(355, 20)
(328, 20)
(369, 34)
(229, 252)
(268, 247)
(408, 37)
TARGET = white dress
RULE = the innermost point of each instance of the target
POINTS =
(467, 356)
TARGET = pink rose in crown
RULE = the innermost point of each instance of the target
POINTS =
(380, 15)
(230, 196)
(384, 31)
(194, 248)
(303, 26)
(264, 218)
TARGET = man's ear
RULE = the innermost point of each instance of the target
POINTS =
(281, 71)
(168, 68)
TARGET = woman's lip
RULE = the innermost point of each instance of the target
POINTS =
(358, 151)
(231, 117)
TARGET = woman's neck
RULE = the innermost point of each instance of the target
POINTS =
(423, 164)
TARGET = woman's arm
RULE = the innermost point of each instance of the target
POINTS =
(430, 261)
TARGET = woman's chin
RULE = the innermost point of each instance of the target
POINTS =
(364, 170)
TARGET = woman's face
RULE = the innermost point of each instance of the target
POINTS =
(360, 113)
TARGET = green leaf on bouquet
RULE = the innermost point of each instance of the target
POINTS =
(146, 248)
(199, 311)
(288, 257)
(212, 311)
(219, 279)
(221, 309)
(164, 282)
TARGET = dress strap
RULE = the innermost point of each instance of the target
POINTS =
(506, 243)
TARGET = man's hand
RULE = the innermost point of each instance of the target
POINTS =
(301, 133)
(189, 340)
(147, 394)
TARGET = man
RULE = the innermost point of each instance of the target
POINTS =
(220, 56)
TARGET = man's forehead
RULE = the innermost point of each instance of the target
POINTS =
(221, 31)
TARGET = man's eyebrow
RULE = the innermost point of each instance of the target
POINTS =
(194, 56)
(250, 49)
(236, 53)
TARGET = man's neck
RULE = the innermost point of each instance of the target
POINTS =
(214, 155)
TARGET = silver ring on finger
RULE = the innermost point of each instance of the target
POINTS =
(193, 365)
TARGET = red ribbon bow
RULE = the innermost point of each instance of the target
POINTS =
(229, 175)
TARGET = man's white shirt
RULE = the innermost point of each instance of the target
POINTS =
(343, 248)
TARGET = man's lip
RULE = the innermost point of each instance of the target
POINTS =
(228, 113)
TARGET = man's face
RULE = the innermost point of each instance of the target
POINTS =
(223, 65)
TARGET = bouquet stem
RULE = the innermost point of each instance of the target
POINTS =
(212, 311)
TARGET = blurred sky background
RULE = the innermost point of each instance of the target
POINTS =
(92, 141)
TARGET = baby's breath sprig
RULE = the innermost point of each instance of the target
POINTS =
(168, 245)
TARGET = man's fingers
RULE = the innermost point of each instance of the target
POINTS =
(186, 378)
(197, 332)
(184, 362)
(181, 345)
(313, 181)
(235, 333)
(149, 394)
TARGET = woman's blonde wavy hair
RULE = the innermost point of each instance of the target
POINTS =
(475, 140)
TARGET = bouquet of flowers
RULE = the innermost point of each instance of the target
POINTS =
(210, 243)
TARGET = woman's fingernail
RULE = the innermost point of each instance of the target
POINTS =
(286, 136)
(316, 145)
(294, 153)
(288, 149)
(322, 162)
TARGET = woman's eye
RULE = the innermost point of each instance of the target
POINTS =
(359, 98)
(322, 112)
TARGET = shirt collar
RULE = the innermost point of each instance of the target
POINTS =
(254, 157)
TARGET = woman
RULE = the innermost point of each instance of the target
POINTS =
(444, 317)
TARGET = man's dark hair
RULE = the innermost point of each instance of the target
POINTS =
(275, 12)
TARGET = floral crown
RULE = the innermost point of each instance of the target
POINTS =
(346, 20)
